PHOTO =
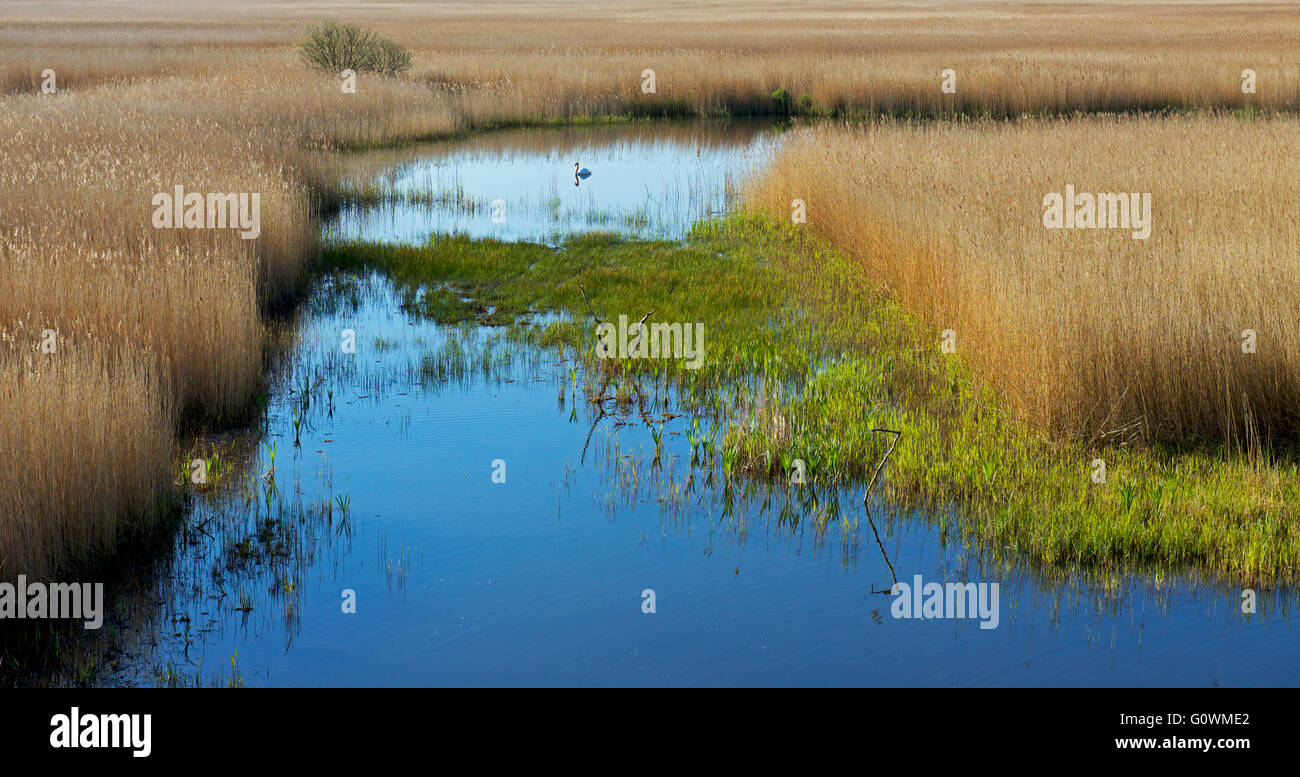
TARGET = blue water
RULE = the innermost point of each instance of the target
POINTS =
(647, 181)
(539, 580)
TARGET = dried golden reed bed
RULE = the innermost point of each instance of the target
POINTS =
(1085, 331)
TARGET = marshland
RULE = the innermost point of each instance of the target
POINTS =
(394, 395)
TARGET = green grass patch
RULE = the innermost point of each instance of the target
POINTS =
(804, 357)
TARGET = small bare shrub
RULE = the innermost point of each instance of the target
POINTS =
(335, 47)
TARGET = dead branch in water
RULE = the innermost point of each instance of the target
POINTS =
(867, 494)
(590, 309)
(866, 505)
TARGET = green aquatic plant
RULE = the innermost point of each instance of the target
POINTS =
(807, 358)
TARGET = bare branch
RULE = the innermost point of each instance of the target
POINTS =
(640, 329)
(867, 495)
(591, 310)
(866, 504)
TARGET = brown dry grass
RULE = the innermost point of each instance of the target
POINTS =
(88, 448)
(557, 59)
(1084, 332)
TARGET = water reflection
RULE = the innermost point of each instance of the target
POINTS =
(642, 180)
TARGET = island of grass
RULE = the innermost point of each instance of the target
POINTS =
(806, 357)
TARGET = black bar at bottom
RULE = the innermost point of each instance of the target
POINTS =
(305, 726)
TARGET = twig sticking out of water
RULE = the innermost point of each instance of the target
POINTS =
(867, 495)
(599, 320)
(640, 328)
(590, 309)
(866, 505)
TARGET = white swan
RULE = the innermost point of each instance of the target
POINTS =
(583, 173)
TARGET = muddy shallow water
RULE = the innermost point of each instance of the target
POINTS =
(383, 494)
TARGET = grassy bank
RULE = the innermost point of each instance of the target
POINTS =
(805, 355)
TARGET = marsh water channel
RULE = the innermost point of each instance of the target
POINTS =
(371, 481)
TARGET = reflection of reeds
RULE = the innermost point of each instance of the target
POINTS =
(466, 353)
(555, 142)
(453, 199)
(687, 180)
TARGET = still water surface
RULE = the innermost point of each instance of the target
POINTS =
(382, 487)
(646, 181)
